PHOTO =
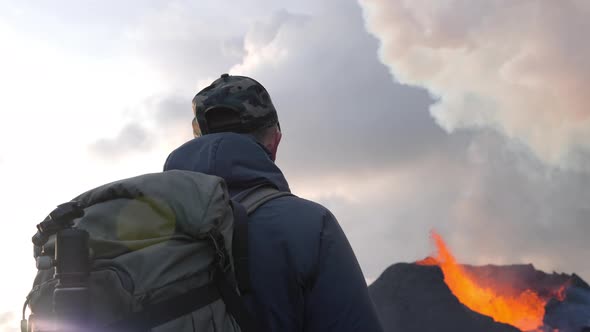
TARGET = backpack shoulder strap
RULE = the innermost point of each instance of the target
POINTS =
(253, 198)
(245, 203)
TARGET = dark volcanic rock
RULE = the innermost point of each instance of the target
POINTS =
(571, 315)
(413, 298)
(520, 277)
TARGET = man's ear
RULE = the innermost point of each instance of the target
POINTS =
(273, 144)
(196, 128)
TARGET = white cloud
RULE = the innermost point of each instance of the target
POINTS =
(262, 44)
(521, 67)
(9, 322)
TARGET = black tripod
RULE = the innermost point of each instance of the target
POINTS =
(71, 261)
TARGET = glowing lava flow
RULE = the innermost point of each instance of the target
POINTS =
(524, 311)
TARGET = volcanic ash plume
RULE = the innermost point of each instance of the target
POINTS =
(520, 67)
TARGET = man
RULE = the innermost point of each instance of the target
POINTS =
(304, 275)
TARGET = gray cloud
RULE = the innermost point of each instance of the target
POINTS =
(521, 209)
(264, 32)
(369, 149)
(185, 41)
(173, 112)
(329, 87)
(333, 90)
(155, 122)
(133, 138)
(492, 205)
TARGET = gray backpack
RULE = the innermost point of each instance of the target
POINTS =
(157, 252)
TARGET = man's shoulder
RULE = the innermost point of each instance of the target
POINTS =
(293, 227)
(296, 204)
(292, 214)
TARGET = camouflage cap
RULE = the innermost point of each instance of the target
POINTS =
(234, 103)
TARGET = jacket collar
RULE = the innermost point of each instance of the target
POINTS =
(239, 159)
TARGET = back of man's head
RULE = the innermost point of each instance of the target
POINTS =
(237, 104)
(233, 104)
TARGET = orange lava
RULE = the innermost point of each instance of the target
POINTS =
(524, 311)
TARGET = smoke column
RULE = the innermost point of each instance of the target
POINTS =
(519, 67)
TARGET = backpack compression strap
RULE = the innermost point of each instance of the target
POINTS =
(250, 200)
(159, 313)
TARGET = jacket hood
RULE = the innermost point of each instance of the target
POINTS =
(239, 159)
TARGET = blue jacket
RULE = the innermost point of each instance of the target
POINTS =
(304, 274)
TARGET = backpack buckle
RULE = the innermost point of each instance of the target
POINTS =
(221, 256)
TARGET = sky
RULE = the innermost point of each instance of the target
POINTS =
(401, 117)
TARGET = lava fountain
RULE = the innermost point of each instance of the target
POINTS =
(524, 310)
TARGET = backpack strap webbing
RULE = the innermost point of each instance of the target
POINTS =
(249, 201)
(159, 313)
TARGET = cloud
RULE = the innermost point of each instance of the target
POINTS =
(8, 322)
(172, 112)
(184, 41)
(492, 204)
(133, 138)
(520, 68)
(156, 122)
(328, 86)
(519, 209)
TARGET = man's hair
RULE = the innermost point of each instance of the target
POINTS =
(262, 134)
(229, 120)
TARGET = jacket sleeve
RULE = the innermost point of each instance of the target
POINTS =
(338, 297)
